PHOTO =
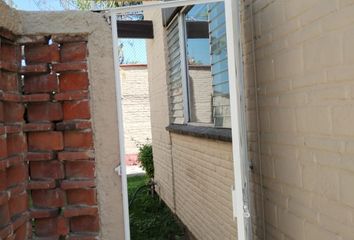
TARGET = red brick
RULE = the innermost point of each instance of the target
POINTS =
(20, 220)
(40, 97)
(35, 68)
(7, 34)
(8, 66)
(86, 196)
(79, 211)
(2, 112)
(6, 232)
(75, 184)
(67, 156)
(37, 53)
(18, 204)
(44, 141)
(52, 198)
(70, 66)
(73, 52)
(38, 127)
(17, 174)
(43, 184)
(73, 125)
(5, 215)
(41, 83)
(69, 96)
(14, 160)
(17, 128)
(76, 110)
(18, 189)
(9, 82)
(10, 53)
(35, 156)
(80, 169)
(16, 143)
(73, 81)
(78, 139)
(3, 181)
(44, 112)
(13, 112)
(47, 227)
(10, 97)
(21, 233)
(44, 213)
(46, 170)
(3, 146)
(84, 224)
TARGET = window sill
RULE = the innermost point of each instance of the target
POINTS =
(221, 134)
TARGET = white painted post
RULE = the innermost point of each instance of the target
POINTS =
(120, 127)
(238, 122)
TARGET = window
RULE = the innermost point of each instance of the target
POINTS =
(198, 73)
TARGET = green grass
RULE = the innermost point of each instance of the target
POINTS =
(150, 218)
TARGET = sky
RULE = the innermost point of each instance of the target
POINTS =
(37, 5)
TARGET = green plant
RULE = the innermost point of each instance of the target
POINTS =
(145, 157)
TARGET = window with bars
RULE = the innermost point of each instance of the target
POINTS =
(198, 68)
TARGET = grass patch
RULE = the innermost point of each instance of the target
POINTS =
(150, 218)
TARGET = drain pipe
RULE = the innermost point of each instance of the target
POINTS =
(121, 168)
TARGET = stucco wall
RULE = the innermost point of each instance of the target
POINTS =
(136, 106)
(102, 90)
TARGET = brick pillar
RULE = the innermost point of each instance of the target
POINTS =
(60, 140)
(14, 213)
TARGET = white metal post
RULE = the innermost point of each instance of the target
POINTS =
(238, 122)
(120, 127)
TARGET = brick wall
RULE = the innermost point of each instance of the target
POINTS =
(304, 61)
(47, 128)
(14, 213)
(136, 106)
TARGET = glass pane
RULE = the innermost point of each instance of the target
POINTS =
(199, 68)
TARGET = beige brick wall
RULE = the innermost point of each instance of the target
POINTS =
(304, 75)
(194, 175)
(161, 141)
(136, 106)
(303, 79)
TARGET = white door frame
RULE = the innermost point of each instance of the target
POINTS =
(239, 138)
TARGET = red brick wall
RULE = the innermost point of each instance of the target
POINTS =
(46, 141)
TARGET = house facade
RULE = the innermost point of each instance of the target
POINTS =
(298, 90)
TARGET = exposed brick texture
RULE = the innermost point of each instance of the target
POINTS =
(43, 159)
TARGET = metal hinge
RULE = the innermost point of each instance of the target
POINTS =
(118, 170)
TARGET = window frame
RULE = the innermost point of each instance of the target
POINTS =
(182, 32)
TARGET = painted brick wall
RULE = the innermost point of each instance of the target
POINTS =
(194, 175)
(49, 141)
(136, 106)
(304, 75)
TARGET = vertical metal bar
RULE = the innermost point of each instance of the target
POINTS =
(184, 67)
(120, 127)
(238, 122)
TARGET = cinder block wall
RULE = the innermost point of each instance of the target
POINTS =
(136, 106)
(304, 76)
